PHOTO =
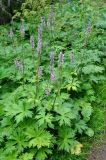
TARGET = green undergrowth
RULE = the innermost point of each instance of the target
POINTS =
(52, 81)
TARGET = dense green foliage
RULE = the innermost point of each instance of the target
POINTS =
(44, 116)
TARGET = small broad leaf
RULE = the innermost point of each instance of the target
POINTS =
(81, 126)
(90, 132)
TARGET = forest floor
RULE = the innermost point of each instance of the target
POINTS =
(98, 149)
(98, 153)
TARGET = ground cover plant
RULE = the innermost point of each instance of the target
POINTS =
(52, 80)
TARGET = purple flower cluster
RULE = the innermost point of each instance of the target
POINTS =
(39, 44)
(43, 21)
(50, 20)
(52, 73)
(88, 29)
(18, 64)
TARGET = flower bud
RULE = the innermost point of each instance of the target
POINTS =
(18, 64)
(52, 75)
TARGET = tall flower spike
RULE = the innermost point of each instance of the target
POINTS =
(11, 34)
(22, 29)
(51, 17)
(52, 59)
(61, 59)
(32, 42)
(52, 74)
(88, 29)
(43, 21)
(18, 64)
(39, 44)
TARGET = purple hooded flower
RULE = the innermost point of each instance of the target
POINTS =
(39, 44)
(51, 17)
(32, 42)
(88, 29)
(43, 21)
(18, 64)
(52, 75)
(61, 59)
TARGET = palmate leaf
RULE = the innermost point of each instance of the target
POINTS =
(86, 111)
(91, 56)
(43, 153)
(44, 118)
(81, 126)
(97, 78)
(65, 115)
(26, 156)
(91, 68)
(1, 109)
(6, 121)
(6, 129)
(22, 114)
(73, 84)
(10, 147)
(38, 137)
(19, 111)
(4, 156)
(18, 140)
(65, 138)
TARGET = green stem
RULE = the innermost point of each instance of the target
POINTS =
(60, 76)
(37, 77)
(23, 72)
(33, 57)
